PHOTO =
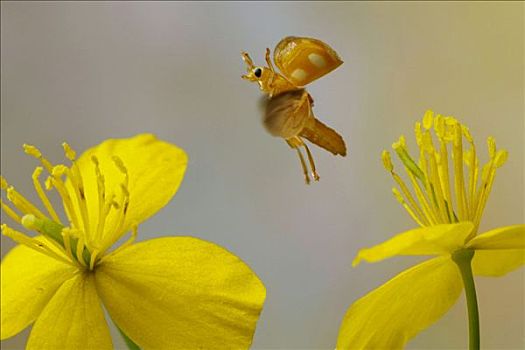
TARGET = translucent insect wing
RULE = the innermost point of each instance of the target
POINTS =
(287, 113)
(303, 60)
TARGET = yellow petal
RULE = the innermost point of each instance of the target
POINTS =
(430, 240)
(155, 169)
(181, 293)
(29, 280)
(495, 263)
(389, 316)
(510, 237)
(498, 251)
(73, 319)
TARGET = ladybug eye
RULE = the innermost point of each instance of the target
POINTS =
(258, 72)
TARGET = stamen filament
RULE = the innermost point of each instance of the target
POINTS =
(458, 170)
(430, 217)
(59, 185)
(81, 250)
(443, 175)
(22, 204)
(66, 239)
(433, 209)
(103, 206)
(408, 161)
(54, 231)
(472, 163)
(43, 196)
(409, 210)
(413, 204)
(93, 259)
(80, 197)
(10, 212)
(498, 160)
(32, 243)
(35, 152)
(437, 188)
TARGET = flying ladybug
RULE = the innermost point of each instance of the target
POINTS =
(288, 108)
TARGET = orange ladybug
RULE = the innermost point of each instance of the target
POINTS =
(289, 106)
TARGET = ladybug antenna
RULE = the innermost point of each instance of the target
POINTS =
(247, 59)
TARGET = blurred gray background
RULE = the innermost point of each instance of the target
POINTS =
(84, 72)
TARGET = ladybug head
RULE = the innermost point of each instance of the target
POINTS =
(254, 73)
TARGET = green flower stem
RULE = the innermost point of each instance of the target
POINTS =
(129, 343)
(463, 259)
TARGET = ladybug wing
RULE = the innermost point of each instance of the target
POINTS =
(303, 60)
(287, 113)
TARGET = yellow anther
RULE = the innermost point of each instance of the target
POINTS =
(418, 133)
(500, 158)
(125, 191)
(466, 133)
(450, 121)
(426, 143)
(387, 161)
(468, 157)
(120, 164)
(59, 170)
(94, 159)
(457, 135)
(428, 119)
(32, 151)
(439, 126)
(491, 144)
(400, 143)
(69, 152)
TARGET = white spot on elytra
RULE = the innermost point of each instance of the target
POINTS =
(299, 74)
(317, 60)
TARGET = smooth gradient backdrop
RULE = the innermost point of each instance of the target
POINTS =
(84, 72)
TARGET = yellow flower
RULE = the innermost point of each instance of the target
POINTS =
(170, 292)
(448, 216)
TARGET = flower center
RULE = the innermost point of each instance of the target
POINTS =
(433, 200)
(84, 241)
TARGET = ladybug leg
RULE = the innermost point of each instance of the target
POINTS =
(296, 142)
(312, 164)
(311, 100)
(269, 61)
(272, 70)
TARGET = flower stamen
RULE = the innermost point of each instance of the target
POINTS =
(74, 175)
(459, 183)
(123, 208)
(59, 185)
(415, 211)
(20, 202)
(32, 243)
(10, 212)
(409, 210)
(35, 152)
(43, 197)
(430, 178)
